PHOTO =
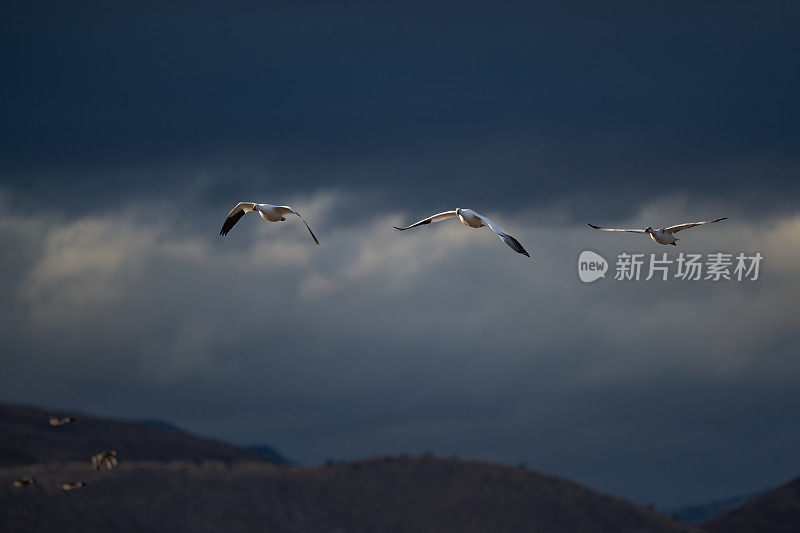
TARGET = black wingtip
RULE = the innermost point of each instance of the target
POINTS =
(593, 226)
(309, 229)
(316, 241)
(398, 229)
(514, 244)
(519, 248)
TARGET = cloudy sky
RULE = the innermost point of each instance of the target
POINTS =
(127, 135)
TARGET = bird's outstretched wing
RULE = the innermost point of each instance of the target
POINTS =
(615, 229)
(287, 209)
(508, 239)
(435, 218)
(680, 227)
(235, 214)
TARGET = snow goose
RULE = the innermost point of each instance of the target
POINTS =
(270, 213)
(471, 219)
(662, 235)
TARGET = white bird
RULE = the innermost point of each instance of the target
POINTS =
(472, 219)
(662, 235)
(270, 213)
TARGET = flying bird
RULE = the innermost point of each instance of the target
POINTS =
(107, 459)
(270, 213)
(662, 235)
(59, 420)
(72, 485)
(471, 219)
(24, 481)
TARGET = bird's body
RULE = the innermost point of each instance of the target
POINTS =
(269, 212)
(470, 218)
(72, 485)
(24, 481)
(59, 420)
(661, 236)
(475, 220)
(665, 236)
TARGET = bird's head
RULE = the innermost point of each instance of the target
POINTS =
(648, 229)
(458, 210)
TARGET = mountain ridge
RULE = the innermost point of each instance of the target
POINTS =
(168, 480)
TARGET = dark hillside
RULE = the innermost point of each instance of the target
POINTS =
(777, 511)
(26, 437)
(169, 480)
(390, 495)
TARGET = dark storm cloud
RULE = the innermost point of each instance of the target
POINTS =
(555, 101)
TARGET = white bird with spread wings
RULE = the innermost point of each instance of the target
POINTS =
(471, 219)
(270, 213)
(662, 235)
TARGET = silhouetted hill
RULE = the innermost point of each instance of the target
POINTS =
(168, 480)
(391, 494)
(695, 514)
(27, 437)
(159, 423)
(270, 453)
(776, 511)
